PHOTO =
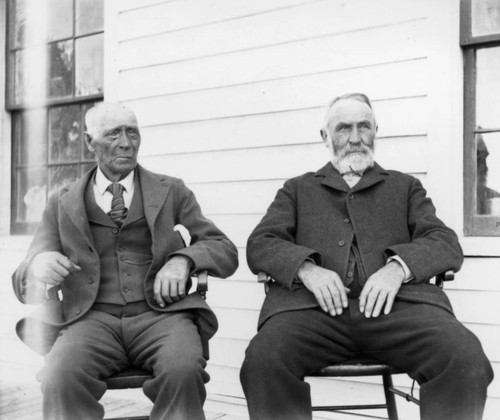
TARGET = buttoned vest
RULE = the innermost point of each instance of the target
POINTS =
(125, 253)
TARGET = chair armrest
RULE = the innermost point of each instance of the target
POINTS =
(202, 286)
(265, 279)
(448, 275)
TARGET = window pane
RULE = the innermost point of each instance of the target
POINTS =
(87, 154)
(32, 194)
(485, 17)
(31, 131)
(87, 167)
(488, 174)
(59, 19)
(89, 16)
(64, 134)
(59, 176)
(61, 69)
(488, 87)
(89, 65)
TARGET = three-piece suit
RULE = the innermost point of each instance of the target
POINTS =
(317, 217)
(118, 269)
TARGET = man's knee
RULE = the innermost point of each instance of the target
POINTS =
(463, 358)
(183, 368)
(62, 373)
(470, 364)
(262, 356)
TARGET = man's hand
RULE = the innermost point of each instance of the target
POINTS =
(51, 268)
(326, 286)
(381, 288)
(170, 282)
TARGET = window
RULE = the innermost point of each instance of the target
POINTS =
(55, 73)
(480, 40)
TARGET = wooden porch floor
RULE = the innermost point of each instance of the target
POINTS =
(24, 402)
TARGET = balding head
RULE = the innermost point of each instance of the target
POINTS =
(109, 111)
(113, 135)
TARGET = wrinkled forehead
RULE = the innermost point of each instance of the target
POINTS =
(349, 111)
(108, 115)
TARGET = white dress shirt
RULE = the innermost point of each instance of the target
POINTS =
(103, 197)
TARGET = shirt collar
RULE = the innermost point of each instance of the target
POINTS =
(103, 183)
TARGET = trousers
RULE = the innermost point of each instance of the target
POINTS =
(427, 342)
(100, 345)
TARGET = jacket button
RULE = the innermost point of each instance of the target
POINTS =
(91, 281)
(349, 274)
(341, 243)
(351, 196)
(346, 220)
(115, 230)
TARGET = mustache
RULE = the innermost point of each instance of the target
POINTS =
(360, 148)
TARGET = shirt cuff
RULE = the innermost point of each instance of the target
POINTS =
(408, 274)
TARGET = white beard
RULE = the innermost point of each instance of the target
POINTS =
(353, 162)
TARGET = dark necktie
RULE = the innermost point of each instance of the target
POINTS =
(118, 210)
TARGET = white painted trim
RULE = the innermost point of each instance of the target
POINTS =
(445, 113)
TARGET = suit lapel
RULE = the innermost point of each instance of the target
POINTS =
(333, 179)
(73, 204)
(372, 176)
(154, 195)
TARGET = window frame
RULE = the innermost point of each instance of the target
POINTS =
(17, 109)
(474, 224)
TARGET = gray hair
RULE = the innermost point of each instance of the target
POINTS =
(361, 97)
(94, 114)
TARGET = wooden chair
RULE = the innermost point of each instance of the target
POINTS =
(366, 367)
(133, 377)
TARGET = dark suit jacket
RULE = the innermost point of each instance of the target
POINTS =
(65, 228)
(317, 216)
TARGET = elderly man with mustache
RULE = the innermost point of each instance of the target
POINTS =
(351, 248)
(108, 242)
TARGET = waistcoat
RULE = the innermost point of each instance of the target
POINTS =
(125, 253)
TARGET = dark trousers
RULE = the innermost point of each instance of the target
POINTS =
(427, 342)
(100, 344)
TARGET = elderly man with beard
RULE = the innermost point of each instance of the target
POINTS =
(351, 249)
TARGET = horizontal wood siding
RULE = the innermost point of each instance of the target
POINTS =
(230, 97)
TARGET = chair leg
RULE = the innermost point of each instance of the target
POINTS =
(390, 399)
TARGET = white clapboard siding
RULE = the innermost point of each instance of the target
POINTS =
(310, 22)
(262, 97)
(273, 129)
(167, 16)
(477, 274)
(239, 68)
(274, 162)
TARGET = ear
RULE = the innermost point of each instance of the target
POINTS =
(323, 135)
(88, 141)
